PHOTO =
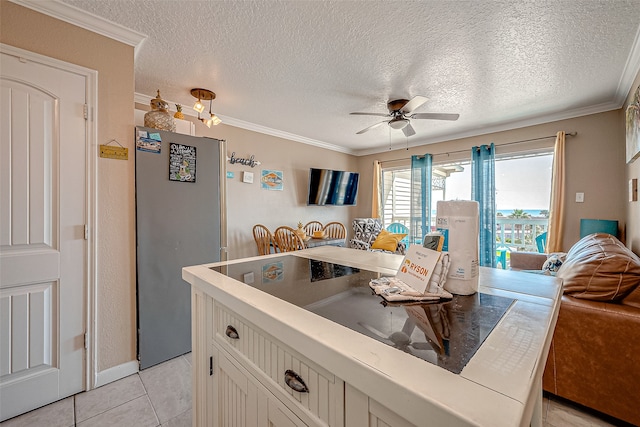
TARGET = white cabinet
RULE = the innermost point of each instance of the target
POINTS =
(245, 340)
(362, 411)
(280, 367)
(239, 400)
(244, 377)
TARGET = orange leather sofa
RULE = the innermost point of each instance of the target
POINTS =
(594, 359)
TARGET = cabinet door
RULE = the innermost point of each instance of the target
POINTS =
(268, 359)
(241, 401)
(362, 411)
(235, 397)
(201, 358)
(279, 415)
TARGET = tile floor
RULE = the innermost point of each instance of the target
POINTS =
(158, 396)
(161, 396)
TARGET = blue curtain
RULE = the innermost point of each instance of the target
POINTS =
(420, 198)
(483, 190)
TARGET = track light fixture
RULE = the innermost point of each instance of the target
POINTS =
(206, 95)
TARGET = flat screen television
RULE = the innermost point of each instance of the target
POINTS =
(329, 187)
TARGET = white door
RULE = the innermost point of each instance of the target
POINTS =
(42, 234)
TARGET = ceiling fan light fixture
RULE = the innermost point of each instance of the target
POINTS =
(398, 123)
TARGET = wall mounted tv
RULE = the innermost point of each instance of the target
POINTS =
(329, 187)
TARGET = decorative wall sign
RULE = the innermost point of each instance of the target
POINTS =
(150, 142)
(247, 162)
(633, 128)
(114, 152)
(271, 180)
(247, 177)
(182, 163)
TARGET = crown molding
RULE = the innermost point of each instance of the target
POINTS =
(230, 121)
(83, 19)
(625, 86)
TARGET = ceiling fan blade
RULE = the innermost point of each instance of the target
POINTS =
(375, 331)
(435, 116)
(370, 127)
(421, 346)
(413, 104)
(371, 114)
(408, 130)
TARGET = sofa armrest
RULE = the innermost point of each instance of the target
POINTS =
(527, 260)
(593, 357)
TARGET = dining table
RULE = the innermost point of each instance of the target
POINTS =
(312, 242)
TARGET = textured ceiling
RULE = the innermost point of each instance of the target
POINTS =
(300, 67)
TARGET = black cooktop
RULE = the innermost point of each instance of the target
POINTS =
(446, 333)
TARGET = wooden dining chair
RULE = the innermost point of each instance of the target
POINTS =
(312, 226)
(335, 230)
(287, 240)
(263, 238)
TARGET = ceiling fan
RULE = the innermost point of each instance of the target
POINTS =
(399, 339)
(400, 112)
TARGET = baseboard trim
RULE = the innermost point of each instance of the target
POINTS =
(117, 372)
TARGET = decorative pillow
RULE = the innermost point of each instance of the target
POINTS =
(387, 241)
(600, 268)
(554, 262)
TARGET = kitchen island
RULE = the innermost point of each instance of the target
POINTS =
(298, 339)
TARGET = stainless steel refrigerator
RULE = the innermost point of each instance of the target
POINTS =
(180, 221)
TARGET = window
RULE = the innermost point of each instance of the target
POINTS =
(523, 194)
(396, 197)
(523, 190)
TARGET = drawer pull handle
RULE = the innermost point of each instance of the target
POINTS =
(294, 381)
(232, 333)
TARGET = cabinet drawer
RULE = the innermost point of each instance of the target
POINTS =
(274, 360)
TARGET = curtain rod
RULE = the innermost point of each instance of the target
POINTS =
(574, 133)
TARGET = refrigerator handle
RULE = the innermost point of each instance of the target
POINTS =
(223, 200)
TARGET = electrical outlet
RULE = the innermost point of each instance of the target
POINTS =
(579, 197)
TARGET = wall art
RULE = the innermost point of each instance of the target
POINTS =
(633, 128)
(271, 180)
(182, 163)
(251, 161)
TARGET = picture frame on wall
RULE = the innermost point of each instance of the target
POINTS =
(633, 127)
(271, 180)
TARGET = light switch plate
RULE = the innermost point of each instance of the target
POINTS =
(247, 177)
(579, 197)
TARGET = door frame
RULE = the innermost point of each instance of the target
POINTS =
(91, 162)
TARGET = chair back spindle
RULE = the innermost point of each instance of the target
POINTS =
(287, 240)
(335, 230)
(312, 226)
(263, 238)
